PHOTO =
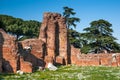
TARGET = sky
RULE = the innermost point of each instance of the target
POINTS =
(86, 10)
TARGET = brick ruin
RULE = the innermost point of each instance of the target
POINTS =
(52, 46)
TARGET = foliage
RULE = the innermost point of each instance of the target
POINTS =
(69, 73)
(74, 38)
(99, 37)
(70, 21)
(19, 27)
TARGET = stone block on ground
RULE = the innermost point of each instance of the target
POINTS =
(51, 67)
(48, 59)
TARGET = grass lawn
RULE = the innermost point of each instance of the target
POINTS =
(69, 73)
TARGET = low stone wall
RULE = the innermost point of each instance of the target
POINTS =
(96, 59)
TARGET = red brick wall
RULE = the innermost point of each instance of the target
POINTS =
(8, 50)
(95, 59)
(25, 66)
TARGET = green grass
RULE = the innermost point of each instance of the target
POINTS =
(69, 73)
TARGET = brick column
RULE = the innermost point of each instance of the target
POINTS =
(63, 42)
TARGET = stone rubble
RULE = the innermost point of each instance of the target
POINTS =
(51, 67)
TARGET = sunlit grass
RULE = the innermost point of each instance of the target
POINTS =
(69, 73)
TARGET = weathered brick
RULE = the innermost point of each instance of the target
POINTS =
(25, 66)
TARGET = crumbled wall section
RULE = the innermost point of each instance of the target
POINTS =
(53, 32)
(96, 59)
(8, 49)
(63, 41)
(25, 66)
(33, 51)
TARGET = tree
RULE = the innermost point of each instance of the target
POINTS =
(74, 38)
(31, 29)
(99, 37)
(15, 27)
(2, 25)
(19, 28)
(70, 21)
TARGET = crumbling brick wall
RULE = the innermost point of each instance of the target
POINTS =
(96, 59)
(25, 66)
(33, 50)
(53, 32)
(8, 49)
(9, 54)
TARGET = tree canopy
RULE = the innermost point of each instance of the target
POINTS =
(68, 13)
(74, 38)
(19, 28)
(71, 21)
(99, 37)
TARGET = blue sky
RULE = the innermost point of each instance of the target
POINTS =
(86, 10)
